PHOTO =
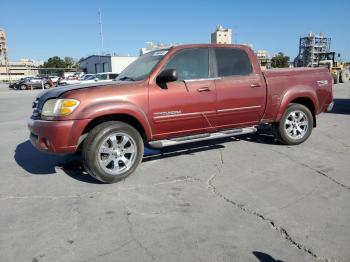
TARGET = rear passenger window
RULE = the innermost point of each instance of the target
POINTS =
(113, 76)
(232, 62)
(191, 64)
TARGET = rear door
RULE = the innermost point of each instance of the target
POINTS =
(187, 105)
(241, 92)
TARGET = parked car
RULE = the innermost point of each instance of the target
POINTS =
(13, 85)
(100, 77)
(34, 82)
(54, 79)
(168, 97)
(83, 77)
(68, 81)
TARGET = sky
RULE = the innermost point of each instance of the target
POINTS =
(41, 29)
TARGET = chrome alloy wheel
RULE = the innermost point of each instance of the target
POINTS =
(296, 125)
(117, 153)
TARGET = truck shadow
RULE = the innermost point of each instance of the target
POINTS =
(341, 106)
(40, 163)
(263, 257)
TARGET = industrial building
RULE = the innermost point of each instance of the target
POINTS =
(105, 63)
(311, 47)
(221, 36)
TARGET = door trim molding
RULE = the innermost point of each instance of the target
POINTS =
(237, 109)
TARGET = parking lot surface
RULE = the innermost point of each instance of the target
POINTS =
(241, 199)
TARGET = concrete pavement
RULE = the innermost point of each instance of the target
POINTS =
(242, 199)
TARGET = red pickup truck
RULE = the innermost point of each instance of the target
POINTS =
(178, 95)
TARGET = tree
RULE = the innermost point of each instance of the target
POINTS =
(70, 62)
(280, 60)
(57, 62)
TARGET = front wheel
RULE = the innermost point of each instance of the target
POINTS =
(112, 151)
(295, 125)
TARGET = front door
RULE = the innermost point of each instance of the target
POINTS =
(188, 105)
(241, 92)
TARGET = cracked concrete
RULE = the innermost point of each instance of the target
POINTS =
(273, 224)
(228, 200)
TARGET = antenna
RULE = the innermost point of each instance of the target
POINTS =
(100, 23)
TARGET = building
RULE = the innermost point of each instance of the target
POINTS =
(16, 70)
(264, 58)
(3, 48)
(221, 36)
(105, 63)
(3, 56)
(310, 49)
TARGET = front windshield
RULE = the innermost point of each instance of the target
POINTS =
(142, 67)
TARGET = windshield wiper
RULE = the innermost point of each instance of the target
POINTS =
(126, 78)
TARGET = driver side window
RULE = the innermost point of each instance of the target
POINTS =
(190, 64)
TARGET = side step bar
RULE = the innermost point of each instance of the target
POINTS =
(201, 137)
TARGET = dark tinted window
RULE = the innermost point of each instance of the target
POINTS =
(191, 64)
(113, 76)
(232, 62)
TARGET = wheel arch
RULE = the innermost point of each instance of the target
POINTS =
(305, 96)
(122, 117)
(307, 102)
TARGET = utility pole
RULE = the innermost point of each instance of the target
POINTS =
(101, 34)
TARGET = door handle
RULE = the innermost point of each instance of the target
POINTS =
(255, 85)
(203, 89)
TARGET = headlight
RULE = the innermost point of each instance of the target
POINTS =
(59, 107)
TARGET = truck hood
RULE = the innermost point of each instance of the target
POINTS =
(58, 91)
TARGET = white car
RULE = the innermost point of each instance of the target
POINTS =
(100, 77)
(84, 77)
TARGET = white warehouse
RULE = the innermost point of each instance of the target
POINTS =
(105, 63)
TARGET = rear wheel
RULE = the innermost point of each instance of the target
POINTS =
(344, 76)
(295, 125)
(47, 85)
(112, 151)
(23, 87)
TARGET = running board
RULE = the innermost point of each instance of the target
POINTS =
(201, 137)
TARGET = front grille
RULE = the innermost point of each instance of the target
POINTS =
(33, 136)
(36, 112)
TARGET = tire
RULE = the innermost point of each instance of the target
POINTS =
(103, 151)
(295, 126)
(23, 87)
(47, 86)
(344, 76)
(336, 79)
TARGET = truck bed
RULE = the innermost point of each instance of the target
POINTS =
(286, 82)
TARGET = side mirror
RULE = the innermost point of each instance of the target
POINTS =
(96, 79)
(167, 75)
